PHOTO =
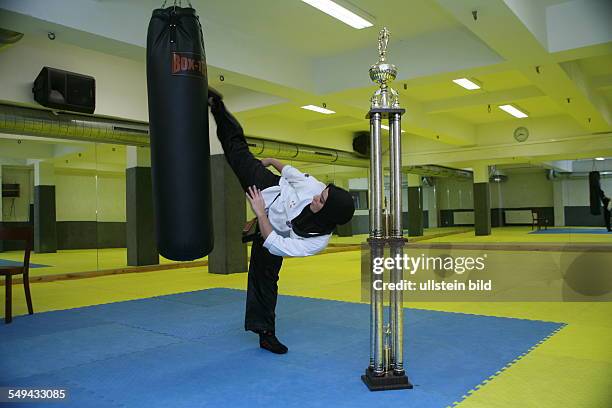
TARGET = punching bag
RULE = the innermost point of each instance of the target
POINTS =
(595, 194)
(177, 87)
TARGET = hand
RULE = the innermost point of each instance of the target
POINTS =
(273, 162)
(256, 200)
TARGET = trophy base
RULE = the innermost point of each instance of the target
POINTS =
(386, 382)
(386, 112)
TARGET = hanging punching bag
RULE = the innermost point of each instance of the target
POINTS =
(177, 86)
(595, 194)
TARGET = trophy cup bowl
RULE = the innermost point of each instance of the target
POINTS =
(383, 73)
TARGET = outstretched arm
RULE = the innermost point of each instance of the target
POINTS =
(259, 208)
(278, 165)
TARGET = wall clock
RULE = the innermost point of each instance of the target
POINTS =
(521, 134)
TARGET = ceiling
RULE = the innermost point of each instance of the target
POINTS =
(276, 56)
(297, 26)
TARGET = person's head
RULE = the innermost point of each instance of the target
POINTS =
(333, 206)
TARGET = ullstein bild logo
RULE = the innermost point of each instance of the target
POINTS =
(187, 63)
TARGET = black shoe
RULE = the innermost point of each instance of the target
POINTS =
(268, 341)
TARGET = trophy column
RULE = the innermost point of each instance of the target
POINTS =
(396, 243)
(376, 241)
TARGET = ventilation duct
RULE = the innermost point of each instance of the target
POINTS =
(556, 175)
(42, 122)
(22, 120)
(552, 174)
(429, 181)
(311, 154)
(433, 170)
(8, 38)
(497, 176)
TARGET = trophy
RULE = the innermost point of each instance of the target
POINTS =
(386, 368)
(383, 74)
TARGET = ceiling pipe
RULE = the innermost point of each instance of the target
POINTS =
(42, 122)
(556, 175)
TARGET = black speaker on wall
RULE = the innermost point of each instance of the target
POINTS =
(361, 143)
(58, 89)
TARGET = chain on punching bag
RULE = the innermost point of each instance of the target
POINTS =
(178, 117)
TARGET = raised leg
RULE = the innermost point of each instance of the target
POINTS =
(247, 167)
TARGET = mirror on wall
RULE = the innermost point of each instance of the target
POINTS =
(53, 190)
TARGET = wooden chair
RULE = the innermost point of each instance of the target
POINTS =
(537, 221)
(17, 234)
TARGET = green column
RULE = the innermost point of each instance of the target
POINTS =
(229, 215)
(140, 219)
(1, 242)
(482, 200)
(45, 225)
(415, 206)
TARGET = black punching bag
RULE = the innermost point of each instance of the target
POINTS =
(595, 193)
(177, 86)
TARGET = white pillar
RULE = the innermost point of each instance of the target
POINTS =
(44, 174)
(432, 206)
(560, 200)
(138, 157)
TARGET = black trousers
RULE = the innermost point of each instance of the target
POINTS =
(262, 290)
(606, 213)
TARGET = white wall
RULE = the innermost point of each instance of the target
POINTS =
(120, 82)
(80, 197)
(577, 190)
(523, 189)
(455, 193)
(75, 196)
(111, 198)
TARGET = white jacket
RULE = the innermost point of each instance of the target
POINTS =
(286, 201)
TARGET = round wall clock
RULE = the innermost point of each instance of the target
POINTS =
(521, 134)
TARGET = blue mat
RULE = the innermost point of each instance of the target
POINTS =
(601, 230)
(189, 350)
(6, 262)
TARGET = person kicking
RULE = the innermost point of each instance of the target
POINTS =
(296, 215)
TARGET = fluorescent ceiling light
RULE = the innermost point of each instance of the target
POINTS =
(514, 111)
(470, 84)
(387, 128)
(337, 11)
(318, 109)
(599, 158)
